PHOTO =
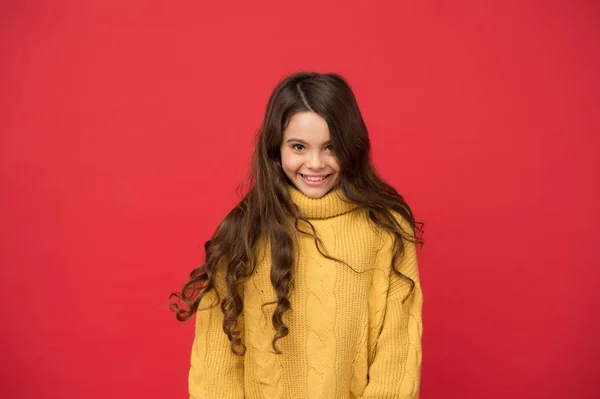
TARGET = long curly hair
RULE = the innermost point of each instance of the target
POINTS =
(266, 210)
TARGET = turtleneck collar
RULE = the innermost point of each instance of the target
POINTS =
(332, 204)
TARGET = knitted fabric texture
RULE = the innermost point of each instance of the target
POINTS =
(354, 332)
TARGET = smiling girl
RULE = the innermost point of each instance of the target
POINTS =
(307, 155)
(310, 287)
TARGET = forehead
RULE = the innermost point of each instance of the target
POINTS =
(307, 126)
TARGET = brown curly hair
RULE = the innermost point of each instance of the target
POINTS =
(266, 210)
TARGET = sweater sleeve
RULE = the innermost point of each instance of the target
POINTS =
(396, 368)
(215, 372)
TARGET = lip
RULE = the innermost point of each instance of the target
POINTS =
(314, 183)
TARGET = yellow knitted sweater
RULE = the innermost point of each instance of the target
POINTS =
(352, 331)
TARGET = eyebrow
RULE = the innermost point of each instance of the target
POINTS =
(302, 141)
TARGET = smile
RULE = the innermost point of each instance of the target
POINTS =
(314, 178)
(314, 181)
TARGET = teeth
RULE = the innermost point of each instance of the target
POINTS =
(310, 178)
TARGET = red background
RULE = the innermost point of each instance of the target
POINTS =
(126, 127)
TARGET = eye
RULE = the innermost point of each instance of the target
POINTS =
(329, 148)
(298, 147)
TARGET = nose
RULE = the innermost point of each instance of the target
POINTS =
(315, 161)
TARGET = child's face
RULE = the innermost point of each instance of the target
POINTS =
(307, 156)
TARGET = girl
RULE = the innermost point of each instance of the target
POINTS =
(310, 287)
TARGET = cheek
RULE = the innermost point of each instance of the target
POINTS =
(289, 162)
(335, 164)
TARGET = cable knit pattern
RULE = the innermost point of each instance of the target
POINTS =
(354, 332)
(197, 374)
(321, 341)
(377, 301)
(212, 361)
(259, 333)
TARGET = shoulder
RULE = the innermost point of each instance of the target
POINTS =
(399, 243)
(393, 225)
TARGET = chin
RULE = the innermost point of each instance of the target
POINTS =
(313, 192)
